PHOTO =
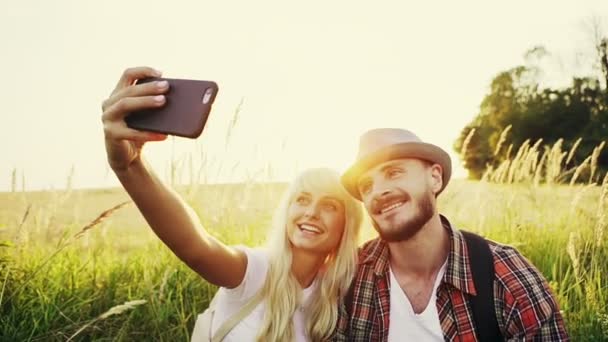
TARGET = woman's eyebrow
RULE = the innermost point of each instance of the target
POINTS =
(331, 198)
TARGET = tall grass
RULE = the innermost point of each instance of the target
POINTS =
(82, 265)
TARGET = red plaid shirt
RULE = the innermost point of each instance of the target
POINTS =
(525, 307)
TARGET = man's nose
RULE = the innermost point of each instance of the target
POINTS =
(380, 189)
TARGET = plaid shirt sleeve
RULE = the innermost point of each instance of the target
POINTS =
(529, 309)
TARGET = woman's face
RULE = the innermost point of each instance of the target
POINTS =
(315, 222)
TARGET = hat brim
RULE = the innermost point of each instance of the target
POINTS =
(418, 150)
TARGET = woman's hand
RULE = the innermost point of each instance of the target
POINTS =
(123, 144)
(173, 221)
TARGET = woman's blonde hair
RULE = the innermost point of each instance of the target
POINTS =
(282, 292)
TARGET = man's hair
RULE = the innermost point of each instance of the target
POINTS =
(281, 290)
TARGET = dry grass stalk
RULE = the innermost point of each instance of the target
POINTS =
(578, 170)
(500, 174)
(572, 150)
(488, 174)
(554, 161)
(572, 253)
(502, 139)
(515, 163)
(467, 141)
(601, 212)
(538, 173)
(116, 310)
(579, 195)
(233, 122)
(22, 181)
(14, 180)
(509, 151)
(529, 163)
(26, 214)
(594, 157)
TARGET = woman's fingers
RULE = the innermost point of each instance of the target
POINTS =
(121, 108)
(144, 89)
(118, 131)
(130, 75)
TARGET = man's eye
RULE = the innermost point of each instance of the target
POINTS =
(394, 173)
(365, 188)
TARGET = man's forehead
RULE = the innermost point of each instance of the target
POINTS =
(388, 164)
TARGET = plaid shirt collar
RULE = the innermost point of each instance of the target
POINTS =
(458, 270)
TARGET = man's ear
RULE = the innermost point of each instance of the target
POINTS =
(436, 178)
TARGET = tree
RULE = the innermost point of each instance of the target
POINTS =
(516, 101)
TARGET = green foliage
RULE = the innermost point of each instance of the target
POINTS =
(54, 288)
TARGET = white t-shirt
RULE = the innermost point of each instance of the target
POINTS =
(229, 301)
(405, 324)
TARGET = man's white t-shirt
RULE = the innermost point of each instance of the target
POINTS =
(405, 324)
(229, 301)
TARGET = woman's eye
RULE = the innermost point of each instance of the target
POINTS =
(302, 200)
(330, 206)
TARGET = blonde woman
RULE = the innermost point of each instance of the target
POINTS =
(310, 259)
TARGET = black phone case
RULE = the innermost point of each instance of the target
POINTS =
(184, 112)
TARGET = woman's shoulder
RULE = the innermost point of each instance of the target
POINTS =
(253, 252)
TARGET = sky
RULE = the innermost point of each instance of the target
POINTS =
(299, 81)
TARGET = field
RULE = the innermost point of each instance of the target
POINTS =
(82, 264)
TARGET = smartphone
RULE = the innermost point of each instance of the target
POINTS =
(185, 112)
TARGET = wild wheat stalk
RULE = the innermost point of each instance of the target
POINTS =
(102, 217)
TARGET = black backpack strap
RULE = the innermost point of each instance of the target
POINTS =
(482, 305)
(349, 299)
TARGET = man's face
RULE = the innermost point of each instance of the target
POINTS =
(399, 196)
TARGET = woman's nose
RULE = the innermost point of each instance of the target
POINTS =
(312, 211)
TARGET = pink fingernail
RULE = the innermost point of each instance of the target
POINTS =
(159, 98)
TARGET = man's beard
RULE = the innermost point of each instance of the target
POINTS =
(406, 230)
